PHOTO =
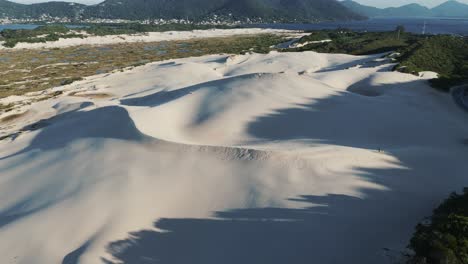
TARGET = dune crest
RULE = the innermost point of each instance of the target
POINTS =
(256, 158)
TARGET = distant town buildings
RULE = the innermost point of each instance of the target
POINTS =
(213, 20)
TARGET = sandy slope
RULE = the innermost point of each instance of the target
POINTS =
(229, 159)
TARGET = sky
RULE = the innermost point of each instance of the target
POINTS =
(378, 3)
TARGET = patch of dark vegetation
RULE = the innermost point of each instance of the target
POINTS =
(357, 43)
(447, 55)
(444, 238)
(45, 33)
(70, 80)
(135, 28)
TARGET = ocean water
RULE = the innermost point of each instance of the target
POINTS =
(29, 26)
(414, 25)
(17, 26)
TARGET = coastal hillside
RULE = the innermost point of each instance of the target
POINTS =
(144, 9)
(49, 9)
(292, 10)
(195, 10)
(451, 8)
(266, 10)
(448, 9)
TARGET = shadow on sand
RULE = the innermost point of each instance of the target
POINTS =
(331, 229)
(163, 97)
(328, 232)
(58, 131)
(110, 122)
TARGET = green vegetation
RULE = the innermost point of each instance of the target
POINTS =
(135, 28)
(446, 55)
(71, 80)
(39, 34)
(52, 32)
(23, 71)
(445, 239)
(358, 43)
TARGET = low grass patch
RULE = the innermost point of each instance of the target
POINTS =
(134, 28)
(35, 70)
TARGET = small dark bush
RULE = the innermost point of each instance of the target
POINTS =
(444, 240)
(71, 80)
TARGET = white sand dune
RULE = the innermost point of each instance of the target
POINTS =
(148, 37)
(277, 158)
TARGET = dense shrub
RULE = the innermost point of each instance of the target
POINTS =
(134, 28)
(444, 54)
(358, 43)
(71, 80)
(444, 240)
(11, 37)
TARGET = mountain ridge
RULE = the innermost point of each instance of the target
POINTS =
(55, 9)
(449, 8)
(195, 10)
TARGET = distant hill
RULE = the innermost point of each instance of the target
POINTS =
(447, 9)
(411, 10)
(53, 9)
(369, 11)
(143, 9)
(451, 9)
(289, 10)
(263, 10)
(268, 10)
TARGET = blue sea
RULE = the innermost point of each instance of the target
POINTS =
(414, 25)
(29, 26)
(17, 26)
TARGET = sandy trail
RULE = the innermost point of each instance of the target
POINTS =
(276, 158)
